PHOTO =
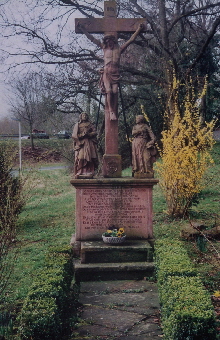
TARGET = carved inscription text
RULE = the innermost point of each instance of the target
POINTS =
(122, 207)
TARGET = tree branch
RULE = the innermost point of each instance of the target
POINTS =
(192, 13)
(202, 50)
(85, 10)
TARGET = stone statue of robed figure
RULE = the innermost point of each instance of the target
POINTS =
(85, 148)
(143, 149)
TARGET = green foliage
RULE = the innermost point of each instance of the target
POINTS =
(187, 311)
(216, 153)
(10, 189)
(40, 319)
(201, 243)
(46, 220)
(11, 202)
(172, 260)
(45, 311)
(6, 325)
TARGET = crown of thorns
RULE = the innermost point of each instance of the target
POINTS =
(109, 37)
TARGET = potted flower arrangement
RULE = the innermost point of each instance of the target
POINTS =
(114, 235)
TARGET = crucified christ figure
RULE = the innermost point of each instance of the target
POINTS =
(110, 75)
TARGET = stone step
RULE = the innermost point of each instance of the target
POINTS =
(129, 251)
(112, 271)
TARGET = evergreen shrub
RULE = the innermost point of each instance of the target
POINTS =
(40, 319)
(45, 311)
(172, 259)
(187, 311)
(12, 199)
(186, 308)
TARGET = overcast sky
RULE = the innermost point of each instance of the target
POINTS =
(27, 13)
(19, 11)
(3, 106)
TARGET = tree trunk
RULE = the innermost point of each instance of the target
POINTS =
(31, 137)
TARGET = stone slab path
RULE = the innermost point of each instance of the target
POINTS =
(117, 310)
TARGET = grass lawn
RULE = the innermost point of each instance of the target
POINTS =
(48, 219)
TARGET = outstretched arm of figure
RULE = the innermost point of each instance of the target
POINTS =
(132, 38)
(89, 36)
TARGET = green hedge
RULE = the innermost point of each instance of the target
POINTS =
(187, 311)
(172, 259)
(40, 319)
(45, 311)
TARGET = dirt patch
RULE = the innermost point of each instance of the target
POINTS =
(39, 154)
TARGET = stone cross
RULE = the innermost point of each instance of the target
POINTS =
(110, 25)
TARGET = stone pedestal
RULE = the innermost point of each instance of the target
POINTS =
(122, 202)
(99, 261)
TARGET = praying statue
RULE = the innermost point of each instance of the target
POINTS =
(85, 147)
(143, 149)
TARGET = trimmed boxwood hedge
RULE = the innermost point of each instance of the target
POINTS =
(186, 308)
(40, 319)
(45, 310)
(172, 259)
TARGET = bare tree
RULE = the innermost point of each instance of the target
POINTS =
(33, 100)
(179, 41)
(8, 126)
(25, 104)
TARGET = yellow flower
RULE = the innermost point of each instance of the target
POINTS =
(144, 114)
(185, 155)
(217, 294)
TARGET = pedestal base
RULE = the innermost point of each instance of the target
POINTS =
(125, 202)
(144, 175)
(98, 261)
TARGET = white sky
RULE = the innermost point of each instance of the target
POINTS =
(4, 108)
(25, 12)
(19, 11)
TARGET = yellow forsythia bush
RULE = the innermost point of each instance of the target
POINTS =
(185, 156)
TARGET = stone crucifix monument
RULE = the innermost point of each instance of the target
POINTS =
(110, 25)
(111, 200)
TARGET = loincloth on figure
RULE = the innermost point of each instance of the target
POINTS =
(109, 76)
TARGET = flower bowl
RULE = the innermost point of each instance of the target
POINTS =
(113, 240)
